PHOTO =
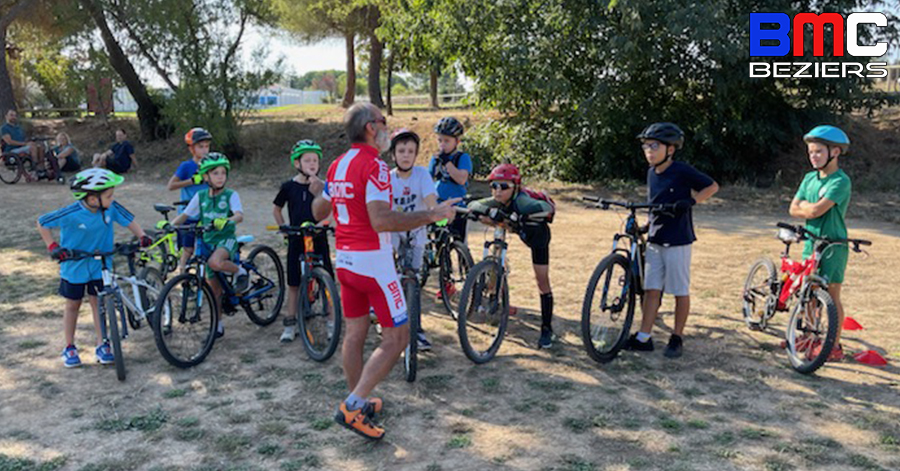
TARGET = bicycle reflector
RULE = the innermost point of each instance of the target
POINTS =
(870, 357)
(851, 324)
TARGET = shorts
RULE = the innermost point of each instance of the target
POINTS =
(537, 238)
(458, 227)
(833, 263)
(368, 279)
(205, 248)
(117, 166)
(296, 251)
(668, 269)
(187, 238)
(19, 150)
(75, 291)
(72, 165)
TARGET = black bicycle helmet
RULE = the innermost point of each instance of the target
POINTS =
(449, 126)
(196, 135)
(667, 133)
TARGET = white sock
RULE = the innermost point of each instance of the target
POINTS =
(221, 327)
(642, 337)
(241, 271)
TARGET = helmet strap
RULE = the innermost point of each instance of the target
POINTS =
(668, 156)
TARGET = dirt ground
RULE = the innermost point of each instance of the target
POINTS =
(731, 403)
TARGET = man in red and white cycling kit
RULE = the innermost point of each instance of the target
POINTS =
(358, 192)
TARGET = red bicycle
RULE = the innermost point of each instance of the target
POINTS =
(798, 288)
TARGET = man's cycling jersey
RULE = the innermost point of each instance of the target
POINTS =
(355, 179)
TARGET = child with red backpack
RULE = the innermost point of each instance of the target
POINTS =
(537, 209)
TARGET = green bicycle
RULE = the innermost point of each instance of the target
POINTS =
(164, 252)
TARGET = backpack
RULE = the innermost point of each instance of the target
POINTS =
(540, 195)
(454, 157)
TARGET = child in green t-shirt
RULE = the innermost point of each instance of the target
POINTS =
(822, 201)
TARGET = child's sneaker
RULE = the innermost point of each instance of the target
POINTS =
(546, 340)
(241, 282)
(70, 357)
(290, 332)
(104, 355)
(424, 344)
(635, 344)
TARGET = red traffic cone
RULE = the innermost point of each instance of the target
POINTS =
(870, 357)
(851, 324)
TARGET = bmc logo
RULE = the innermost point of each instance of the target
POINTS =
(395, 294)
(784, 34)
(340, 189)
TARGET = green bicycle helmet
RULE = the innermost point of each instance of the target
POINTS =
(213, 160)
(93, 180)
(303, 146)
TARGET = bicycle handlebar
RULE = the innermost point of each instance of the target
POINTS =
(605, 204)
(301, 230)
(120, 249)
(803, 233)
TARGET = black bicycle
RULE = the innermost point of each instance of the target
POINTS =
(185, 335)
(484, 304)
(609, 302)
(448, 253)
(319, 314)
(409, 282)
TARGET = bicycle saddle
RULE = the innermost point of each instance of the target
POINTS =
(161, 208)
(245, 239)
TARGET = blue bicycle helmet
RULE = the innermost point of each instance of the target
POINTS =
(828, 135)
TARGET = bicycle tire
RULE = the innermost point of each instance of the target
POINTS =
(10, 172)
(474, 283)
(162, 327)
(410, 359)
(448, 278)
(114, 339)
(820, 292)
(323, 281)
(269, 314)
(627, 298)
(757, 317)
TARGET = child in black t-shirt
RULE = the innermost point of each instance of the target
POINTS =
(299, 193)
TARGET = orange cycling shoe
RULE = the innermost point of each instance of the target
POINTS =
(358, 421)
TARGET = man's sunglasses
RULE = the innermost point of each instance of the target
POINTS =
(382, 120)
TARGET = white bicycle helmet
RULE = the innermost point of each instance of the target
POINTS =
(93, 180)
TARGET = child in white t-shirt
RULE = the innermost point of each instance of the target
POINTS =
(413, 190)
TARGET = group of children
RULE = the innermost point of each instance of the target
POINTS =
(86, 225)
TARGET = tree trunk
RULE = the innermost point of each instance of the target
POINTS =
(7, 98)
(375, 57)
(350, 92)
(390, 79)
(148, 111)
(433, 89)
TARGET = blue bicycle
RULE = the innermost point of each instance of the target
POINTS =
(186, 331)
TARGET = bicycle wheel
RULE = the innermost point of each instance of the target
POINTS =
(112, 318)
(760, 294)
(319, 314)
(812, 329)
(608, 308)
(157, 255)
(184, 320)
(9, 169)
(483, 311)
(266, 294)
(152, 277)
(455, 262)
(410, 357)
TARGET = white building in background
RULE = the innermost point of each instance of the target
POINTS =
(268, 97)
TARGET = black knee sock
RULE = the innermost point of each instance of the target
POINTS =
(547, 311)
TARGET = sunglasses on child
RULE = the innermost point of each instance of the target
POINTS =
(500, 186)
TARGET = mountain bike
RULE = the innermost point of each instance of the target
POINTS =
(798, 288)
(409, 281)
(450, 255)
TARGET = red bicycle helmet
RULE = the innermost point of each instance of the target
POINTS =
(506, 172)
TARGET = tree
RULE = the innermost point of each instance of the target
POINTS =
(199, 41)
(579, 80)
(312, 20)
(9, 11)
(148, 112)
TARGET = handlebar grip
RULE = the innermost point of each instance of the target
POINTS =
(272, 228)
(785, 225)
(592, 199)
(461, 210)
(863, 242)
